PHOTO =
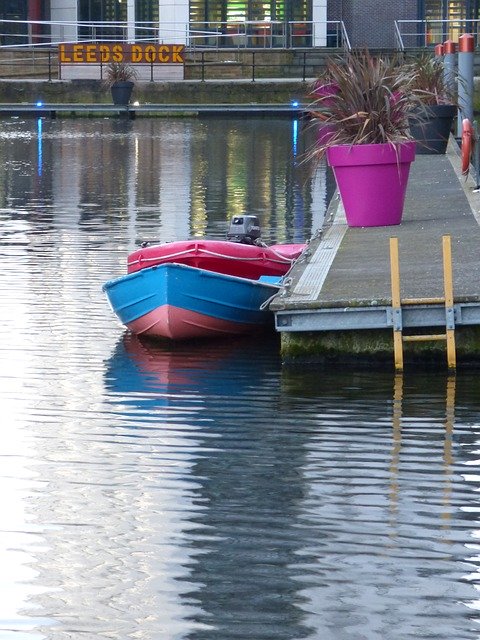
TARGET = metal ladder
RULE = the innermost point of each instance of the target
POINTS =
(398, 302)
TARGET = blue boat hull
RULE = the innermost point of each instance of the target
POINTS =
(178, 302)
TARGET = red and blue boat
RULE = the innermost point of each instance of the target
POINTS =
(205, 288)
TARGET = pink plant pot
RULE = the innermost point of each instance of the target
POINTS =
(325, 133)
(372, 181)
(324, 92)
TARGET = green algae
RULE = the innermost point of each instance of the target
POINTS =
(376, 346)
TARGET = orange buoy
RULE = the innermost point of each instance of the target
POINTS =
(467, 143)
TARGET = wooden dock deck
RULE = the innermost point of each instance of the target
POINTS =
(344, 283)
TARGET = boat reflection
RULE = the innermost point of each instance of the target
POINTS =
(245, 550)
(216, 367)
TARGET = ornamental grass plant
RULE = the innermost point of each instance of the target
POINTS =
(431, 123)
(118, 72)
(367, 100)
(430, 83)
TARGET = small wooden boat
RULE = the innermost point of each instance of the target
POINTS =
(200, 288)
(179, 302)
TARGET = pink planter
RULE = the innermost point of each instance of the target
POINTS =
(325, 92)
(325, 133)
(372, 181)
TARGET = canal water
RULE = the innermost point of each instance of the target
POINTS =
(206, 491)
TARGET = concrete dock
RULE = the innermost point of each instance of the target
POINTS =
(337, 303)
(53, 110)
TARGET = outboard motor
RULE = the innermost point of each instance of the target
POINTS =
(244, 229)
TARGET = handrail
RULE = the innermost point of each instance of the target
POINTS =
(345, 39)
(429, 32)
(215, 34)
(398, 37)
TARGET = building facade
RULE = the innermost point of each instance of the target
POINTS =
(369, 23)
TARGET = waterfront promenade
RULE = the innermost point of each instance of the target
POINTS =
(338, 301)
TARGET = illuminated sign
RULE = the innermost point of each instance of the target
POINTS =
(83, 53)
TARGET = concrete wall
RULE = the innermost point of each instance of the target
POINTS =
(370, 23)
(319, 17)
(145, 72)
(64, 11)
(173, 23)
(183, 92)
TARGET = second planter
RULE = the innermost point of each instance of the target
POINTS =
(432, 126)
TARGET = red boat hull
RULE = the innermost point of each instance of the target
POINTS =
(229, 258)
(171, 322)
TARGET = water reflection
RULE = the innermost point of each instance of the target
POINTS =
(348, 520)
(166, 179)
(205, 491)
(211, 494)
(390, 496)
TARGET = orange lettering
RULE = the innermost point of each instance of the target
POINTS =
(105, 53)
(78, 53)
(163, 53)
(117, 53)
(177, 53)
(63, 54)
(150, 53)
(90, 53)
(136, 53)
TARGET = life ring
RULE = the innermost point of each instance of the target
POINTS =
(467, 143)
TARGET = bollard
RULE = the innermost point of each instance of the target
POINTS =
(449, 65)
(466, 48)
(438, 50)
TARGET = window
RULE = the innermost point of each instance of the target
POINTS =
(102, 11)
(231, 10)
(146, 18)
(13, 33)
(205, 15)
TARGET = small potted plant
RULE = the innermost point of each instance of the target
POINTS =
(369, 145)
(119, 77)
(433, 119)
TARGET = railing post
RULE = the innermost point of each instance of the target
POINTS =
(449, 64)
(304, 76)
(253, 66)
(49, 65)
(203, 66)
(466, 48)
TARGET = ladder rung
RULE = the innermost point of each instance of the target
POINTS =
(423, 301)
(425, 337)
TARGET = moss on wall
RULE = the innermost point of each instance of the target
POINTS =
(376, 347)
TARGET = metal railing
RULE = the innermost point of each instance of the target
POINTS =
(411, 34)
(203, 65)
(196, 35)
(29, 64)
(268, 34)
(253, 66)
